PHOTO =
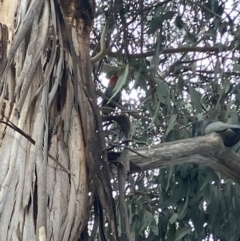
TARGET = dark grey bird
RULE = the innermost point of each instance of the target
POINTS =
(123, 121)
(230, 133)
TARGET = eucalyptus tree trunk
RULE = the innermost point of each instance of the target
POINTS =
(49, 123)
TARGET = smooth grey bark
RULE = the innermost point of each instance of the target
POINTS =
(208, 150)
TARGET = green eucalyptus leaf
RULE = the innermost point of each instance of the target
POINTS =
(147, 218)
(154, 228)
(181, 233)
(174, 218)
(183, 209)
(170, 173)
(171, 123)
(168, 15)
(162, 88)
(196, 99)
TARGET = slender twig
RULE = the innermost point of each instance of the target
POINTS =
(128, 148)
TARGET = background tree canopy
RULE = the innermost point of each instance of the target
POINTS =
(179, 61)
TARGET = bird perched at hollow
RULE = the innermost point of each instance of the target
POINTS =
(229, 133)
(107, 105)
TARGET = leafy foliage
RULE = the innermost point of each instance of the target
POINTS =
(179, 61)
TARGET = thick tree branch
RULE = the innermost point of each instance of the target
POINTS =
(214, 49)
(208, 150)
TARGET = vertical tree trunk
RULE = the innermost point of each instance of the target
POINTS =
(50, 129)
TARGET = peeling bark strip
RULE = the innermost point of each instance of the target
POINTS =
(3, 44)
(78, 17)
(33, 12)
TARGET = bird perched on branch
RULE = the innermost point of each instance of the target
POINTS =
(107, 105)
(230, 133)
(123, 121)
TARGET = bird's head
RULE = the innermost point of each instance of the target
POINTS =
(113, 81)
